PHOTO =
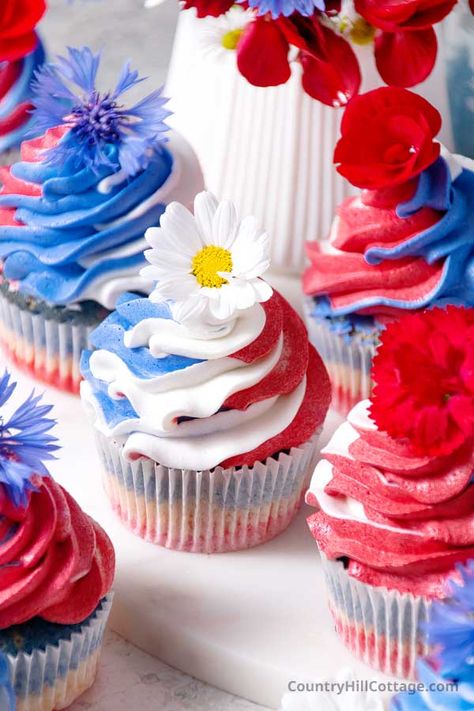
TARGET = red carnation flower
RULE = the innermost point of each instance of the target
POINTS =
(18, 19)
(405, 44)
(387, 138)
(424, 380)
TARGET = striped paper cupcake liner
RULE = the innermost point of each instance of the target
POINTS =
(53, 677)
(348, 359)
(211, 511)
(383, 628)
(47, 349)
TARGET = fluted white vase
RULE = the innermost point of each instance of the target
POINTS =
(270, 150)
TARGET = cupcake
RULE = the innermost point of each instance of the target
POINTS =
(205, 397)
(74, 210)
(21, 55)
(403, 244)
(394, 490)
(57, 568)
(446, 678)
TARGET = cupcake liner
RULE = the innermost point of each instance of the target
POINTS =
(209, 511)
(48, 349)
(54, 677)
(347, 357)
(381, 627)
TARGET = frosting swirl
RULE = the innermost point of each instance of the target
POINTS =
(401, 521)
(195, 403)
(55, 561)
(16, 78)
(402, 248)
(69, 236)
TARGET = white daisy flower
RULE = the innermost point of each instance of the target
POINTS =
(207, 266)
(220, 36)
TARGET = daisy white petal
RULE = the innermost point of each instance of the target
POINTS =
(225, 225)
(220, 35)
(205, 206)
(180, 227)
(262, 289)
(188, 310)
(207, 265)
(153, 236)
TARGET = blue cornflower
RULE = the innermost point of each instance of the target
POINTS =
(439, 694)
(451, 626)
(25, 443)
(7, 693)
(450, 632)
(277, 8)
(102, 132)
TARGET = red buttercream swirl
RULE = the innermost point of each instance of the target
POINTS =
(55, 561)
(298, 360)
(425, 505)
(342, 273)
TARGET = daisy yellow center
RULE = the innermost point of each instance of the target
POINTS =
(362, 32)
(208, 262)
(230, 39)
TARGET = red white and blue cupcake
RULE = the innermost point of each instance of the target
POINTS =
(394, 490)
(206, 397)
(404, 244)
(21, 55)
(57, 568)
(74, 210)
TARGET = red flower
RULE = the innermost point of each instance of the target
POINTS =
(330, 69)
(387, 138)
(405, 45)
(204, 8)
(424, 380)
(18, 19)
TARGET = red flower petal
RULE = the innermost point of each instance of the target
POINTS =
(206, 8)
(471, 5)
(262, 54)
(331, 71)
(405, 58)
(387, 138)
(18, 19)
(407, 15)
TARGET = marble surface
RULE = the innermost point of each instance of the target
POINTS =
(129, 678)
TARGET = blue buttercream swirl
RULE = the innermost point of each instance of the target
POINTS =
(78, 234)
(131, 310)
(450, 241)
(19, 93)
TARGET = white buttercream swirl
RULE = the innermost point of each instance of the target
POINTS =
(211, 434)
(184, 181)
(345, 507)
